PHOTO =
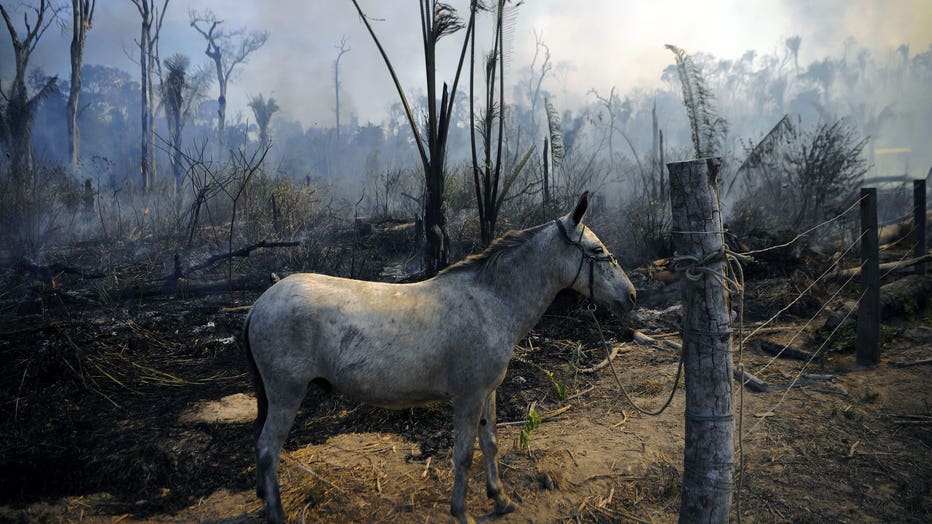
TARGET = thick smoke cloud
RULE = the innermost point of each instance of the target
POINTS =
(600, 43)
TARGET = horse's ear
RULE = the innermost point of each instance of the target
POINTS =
(581, 207)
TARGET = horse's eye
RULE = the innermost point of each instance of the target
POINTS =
(598, 250)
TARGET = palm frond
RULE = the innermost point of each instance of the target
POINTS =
(47, 89)
(707, 129)
(556, 136)
(446, 21)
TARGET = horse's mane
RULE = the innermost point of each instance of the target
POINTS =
(485, 262)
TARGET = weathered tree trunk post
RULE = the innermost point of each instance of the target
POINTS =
(868, 343)
(708, 458)
(919, 221)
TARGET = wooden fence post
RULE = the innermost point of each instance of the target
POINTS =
(868, 343)
(708, 457)
(919, 221)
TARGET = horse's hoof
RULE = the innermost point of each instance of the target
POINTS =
(505, 506)
(274, 515)
(464, 518)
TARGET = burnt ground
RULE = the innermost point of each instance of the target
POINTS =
(99, 393)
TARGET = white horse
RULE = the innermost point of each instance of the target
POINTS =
(401, 345)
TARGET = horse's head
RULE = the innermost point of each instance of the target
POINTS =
(589, 268)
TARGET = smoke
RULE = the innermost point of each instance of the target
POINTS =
(597, 44)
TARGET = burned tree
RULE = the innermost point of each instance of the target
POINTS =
(82, 15)
(336, 79)
(227, 50)
(795, 178)
(437, 20)
(177, 67)
(18, 109)
(263, 109)
(151, 25)
(487, 174)
(181, 92)
(536, 77)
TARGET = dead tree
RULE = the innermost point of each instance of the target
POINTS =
(536, 77)
(491, 190)
(150, 27)
(437, 20)
(18, 109)
(82, 15)
(336, 79)
(227, 50)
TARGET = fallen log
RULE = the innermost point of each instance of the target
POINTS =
(26, 268)
(781, 351)
(659, 270)
(752, 382)
(886, 266)
(183, 287)
(242, 252)
(911, 363)
(906, 295)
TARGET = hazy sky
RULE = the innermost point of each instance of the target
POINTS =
(595, 43)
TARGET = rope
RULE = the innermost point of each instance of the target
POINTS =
(732, 280)
(624, 391)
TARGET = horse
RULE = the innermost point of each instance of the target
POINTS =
(403, 345)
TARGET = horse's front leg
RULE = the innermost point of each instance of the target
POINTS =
(466, 412)
(487, 442)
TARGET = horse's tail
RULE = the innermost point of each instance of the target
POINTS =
(261, 399)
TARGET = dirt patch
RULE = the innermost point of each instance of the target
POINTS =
(142, 411)
(231, 409)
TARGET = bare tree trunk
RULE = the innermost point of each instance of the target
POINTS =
(82, 13)
(221, 111)
(336, 80)
(708, 457)
(150, 132)
(145, 111)
(546, 161)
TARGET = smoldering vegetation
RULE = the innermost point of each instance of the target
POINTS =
(126, 269)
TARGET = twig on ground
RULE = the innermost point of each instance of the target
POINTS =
(308, 470)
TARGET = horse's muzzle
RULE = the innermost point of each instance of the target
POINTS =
(621, 307)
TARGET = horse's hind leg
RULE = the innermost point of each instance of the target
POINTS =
(466, 411)
(283, 403)
(489, 446)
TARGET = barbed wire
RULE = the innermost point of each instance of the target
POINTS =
(906, 235)
(799, 297)
(839, 216)
(792, 383)
(806, 325)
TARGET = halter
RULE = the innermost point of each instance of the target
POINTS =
(592, 259)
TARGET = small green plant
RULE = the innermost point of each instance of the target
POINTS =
(870, 394)
(910, 306)
(533, 420)
(558, 385)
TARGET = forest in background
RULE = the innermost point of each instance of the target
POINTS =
(793, 130)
